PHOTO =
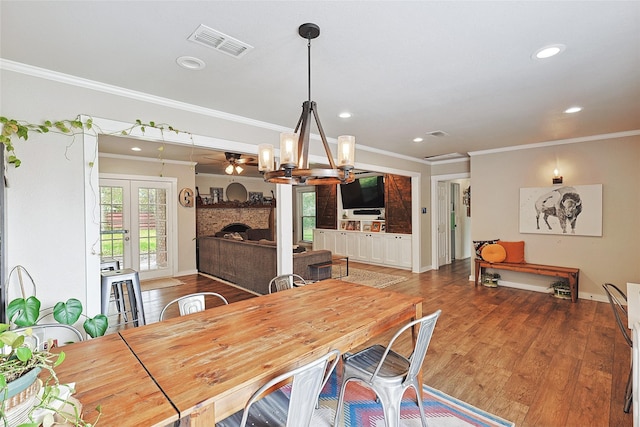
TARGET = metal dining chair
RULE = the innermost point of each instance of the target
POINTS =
(191, 303)
(390, 374)
(615, 296)
(278, 409)
(285, 281)
(57, 333)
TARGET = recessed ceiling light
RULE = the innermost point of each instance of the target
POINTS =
(571, 110)
(190, 63)
(136, 149)
(344, 115)
(548, 51)
(418, 139)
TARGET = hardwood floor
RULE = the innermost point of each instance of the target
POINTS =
(524, 356)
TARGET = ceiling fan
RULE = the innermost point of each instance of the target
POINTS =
(236, 161)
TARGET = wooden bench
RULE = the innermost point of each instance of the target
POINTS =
(571, 274)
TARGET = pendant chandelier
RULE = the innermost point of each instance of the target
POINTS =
(294, 147)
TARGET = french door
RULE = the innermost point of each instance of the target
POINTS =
(136, 225)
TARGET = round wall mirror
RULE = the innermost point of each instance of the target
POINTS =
(236, 192)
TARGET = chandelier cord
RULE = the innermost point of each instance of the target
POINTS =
(309, 67)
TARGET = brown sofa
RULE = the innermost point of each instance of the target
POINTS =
(250, 264)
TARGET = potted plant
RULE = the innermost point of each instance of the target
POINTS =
(22, 360)
(24, 398)
(561, 289)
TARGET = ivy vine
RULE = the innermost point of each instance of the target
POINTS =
(19, 129)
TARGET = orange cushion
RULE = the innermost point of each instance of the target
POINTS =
(515, 251)
(494, 253)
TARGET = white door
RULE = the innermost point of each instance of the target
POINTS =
(443, 224)
(136, 225)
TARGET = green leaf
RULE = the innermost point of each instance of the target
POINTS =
(24, 312)
(138, 121)
(43, 129)
(60, 359)
(62, 127)
(48, 123)
(23, 132)
(142, 129)
(76, 124)
(9, 338)
(97, 326)
(23, 353)
(68, 312)
(15, 161)
(152, 124)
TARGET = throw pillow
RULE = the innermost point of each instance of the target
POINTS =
(515, 251)
(494, 253)
(479, 244)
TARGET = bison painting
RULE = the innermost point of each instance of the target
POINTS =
(564, 203)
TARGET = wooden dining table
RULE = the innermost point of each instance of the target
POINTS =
(209, 363)
(107, 374)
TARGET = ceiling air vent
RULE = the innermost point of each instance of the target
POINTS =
(219, 41)
(437, 133)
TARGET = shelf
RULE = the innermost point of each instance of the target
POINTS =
(367, 225)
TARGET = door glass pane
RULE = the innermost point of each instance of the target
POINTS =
(111, 223)
(152, 220)
(308, 215)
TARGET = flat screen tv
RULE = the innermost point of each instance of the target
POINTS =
(365, 192)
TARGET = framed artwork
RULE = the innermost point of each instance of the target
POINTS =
(353, 225)
(575, 210)
(366, 227)
(376, 226)
(343, 225)
(255, 196)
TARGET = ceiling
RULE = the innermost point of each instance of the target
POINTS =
(402, 68)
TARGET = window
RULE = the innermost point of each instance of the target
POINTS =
(307, 214)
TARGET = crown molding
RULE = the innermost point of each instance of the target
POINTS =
(69, 79)
(558, 142)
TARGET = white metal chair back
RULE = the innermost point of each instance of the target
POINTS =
(191, 303)
(284, 282)
(389, 373)
(306, 385)
(42, 335)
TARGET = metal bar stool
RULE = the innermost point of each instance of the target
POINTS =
(130, 277)
(110, 264)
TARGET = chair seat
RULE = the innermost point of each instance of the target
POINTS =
(365, 362)
(270, 411)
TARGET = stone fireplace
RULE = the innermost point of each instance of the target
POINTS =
(213, 218)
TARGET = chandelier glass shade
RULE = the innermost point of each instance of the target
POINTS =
(294, 146)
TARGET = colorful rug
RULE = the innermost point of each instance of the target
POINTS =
(368, 278)
(361, 409)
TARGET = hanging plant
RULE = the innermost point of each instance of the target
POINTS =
(13, 129)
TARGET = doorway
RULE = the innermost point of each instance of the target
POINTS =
(137, 225)
(450, 223)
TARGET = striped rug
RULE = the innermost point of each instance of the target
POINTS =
(361, 409)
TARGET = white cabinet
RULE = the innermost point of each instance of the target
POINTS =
(324, 239)
(370, 248)
(393, 250)
(397, 250)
